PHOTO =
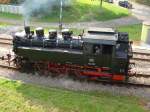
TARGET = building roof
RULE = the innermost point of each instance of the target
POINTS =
(5, 1)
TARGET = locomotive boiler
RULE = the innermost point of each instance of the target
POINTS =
(97, 54)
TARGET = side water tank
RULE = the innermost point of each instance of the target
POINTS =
(145, 37)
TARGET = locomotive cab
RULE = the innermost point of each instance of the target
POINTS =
(106, 48)
(99, 45)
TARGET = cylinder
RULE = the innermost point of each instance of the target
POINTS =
(145, 37)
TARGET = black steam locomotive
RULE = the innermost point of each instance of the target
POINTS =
(97, 54)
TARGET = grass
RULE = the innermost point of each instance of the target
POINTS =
(81, 10)
(46, 29)
(133, 30)
(19, 97)
(2, 24)
(87, 10)
(10, 16)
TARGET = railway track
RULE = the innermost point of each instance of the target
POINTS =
(133, 85)
(141, 56)
(141, 53)
(8, 67)
(139, 75)
(6, 41)
(120, 84)
(140, 59)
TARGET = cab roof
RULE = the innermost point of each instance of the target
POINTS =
(100, 36)
(101, 30)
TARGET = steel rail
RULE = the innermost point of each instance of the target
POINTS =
(138, 75)
(141, 53)
(6, 39)
(140, 59)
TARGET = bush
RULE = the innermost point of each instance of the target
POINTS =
(17, 1)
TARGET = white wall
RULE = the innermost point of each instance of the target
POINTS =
(11, 9)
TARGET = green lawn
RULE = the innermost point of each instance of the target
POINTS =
(19, 97)
(133, 30)
(87, 10)
(3, 24)
(81, 10)
(75, 31)
(10, 16)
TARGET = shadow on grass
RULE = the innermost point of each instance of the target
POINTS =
(78, 12)
(84, 12)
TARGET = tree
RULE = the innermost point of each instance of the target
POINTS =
(101, 3)
(17, 1)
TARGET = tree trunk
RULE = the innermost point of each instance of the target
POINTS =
(101, 3)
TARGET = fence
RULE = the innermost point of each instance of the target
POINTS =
(11, 9)
(5, 1)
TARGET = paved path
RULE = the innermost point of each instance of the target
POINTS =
(110, 23)
(140, 11)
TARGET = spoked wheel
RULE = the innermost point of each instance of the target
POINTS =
(23, 64)
(41, 68)
(77, 75)
(72, 75)
(18, 62)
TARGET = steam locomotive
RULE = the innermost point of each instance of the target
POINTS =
(96, 54)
